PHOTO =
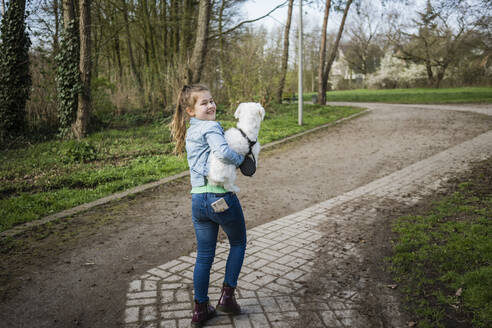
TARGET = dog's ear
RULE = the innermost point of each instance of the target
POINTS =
(238, 110)
(261, 111)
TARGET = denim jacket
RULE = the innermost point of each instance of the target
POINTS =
(201, 138)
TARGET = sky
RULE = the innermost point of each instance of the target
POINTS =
(257, 8)
(313, 14)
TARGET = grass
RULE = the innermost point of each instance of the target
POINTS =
(49, 177)
(412, 96)
(443, 258)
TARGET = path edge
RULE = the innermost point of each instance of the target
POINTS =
(138, 189)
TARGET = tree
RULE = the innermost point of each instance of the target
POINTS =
(482, 54)
(133, 66)
(325, 67)
(250, 70)
(141, 51)
(285, 54)
(322, 81)
(436, 43)
(200, 47)
(362, 51)
(80, 127)
(67, 74)
(15, 79)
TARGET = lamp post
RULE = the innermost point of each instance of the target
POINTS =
(300, 101)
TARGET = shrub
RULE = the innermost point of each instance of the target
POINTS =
(396, 73)
(75, 151)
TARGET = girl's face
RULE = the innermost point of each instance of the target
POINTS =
(204, 108)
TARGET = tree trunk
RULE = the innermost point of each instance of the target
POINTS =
(3, 8)
(175, 33)
(221, 40)
(57, 26)
(15, 79)
(333, 53)
(150, 29)
(285, 54)
(97, 43)
(440, 75)
(68, 71)
(136, 74)
(116, 47)
(165, 24)
(80, 127)
(186, 29)
(322, 55)
(143, 17)
(118, 56)
(200, 47)
(430, 74)
(68, 12)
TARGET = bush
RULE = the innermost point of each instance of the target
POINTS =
(396, 73)
(42, 117)
(75, 151)
(101, 89)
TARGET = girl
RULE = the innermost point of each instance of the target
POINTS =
(212, 206)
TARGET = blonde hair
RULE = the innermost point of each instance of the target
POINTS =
(186, 99)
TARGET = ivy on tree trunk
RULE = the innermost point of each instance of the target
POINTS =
(15, 79)
(68, 78)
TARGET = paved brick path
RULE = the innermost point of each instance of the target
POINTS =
(279, 257)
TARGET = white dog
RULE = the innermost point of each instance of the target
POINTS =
(249, 117)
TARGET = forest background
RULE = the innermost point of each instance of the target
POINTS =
(90, 61)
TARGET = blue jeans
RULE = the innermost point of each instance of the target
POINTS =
(206, 223)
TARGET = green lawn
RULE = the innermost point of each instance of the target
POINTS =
(48, 177)
(442, 258)
(412, 96)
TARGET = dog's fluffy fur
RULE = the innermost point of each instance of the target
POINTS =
(249, 117)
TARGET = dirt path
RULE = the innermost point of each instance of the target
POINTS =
(78, 275)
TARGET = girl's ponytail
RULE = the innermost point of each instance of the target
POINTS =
(178, 124)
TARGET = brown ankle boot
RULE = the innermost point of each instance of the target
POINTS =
(227, 302)
(201, 313)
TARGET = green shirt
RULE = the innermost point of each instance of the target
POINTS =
(208, 188)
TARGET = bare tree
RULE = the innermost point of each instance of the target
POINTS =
(322, 81)
(362, 51)
(483, 25)
(187, 25)
(285, 53)
(133, 65)
(200, 47)
(326, 67)
(80, 127)
(436, 43)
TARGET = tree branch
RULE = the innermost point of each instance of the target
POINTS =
(249, 21)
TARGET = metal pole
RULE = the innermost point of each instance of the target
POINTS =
(300, 101)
